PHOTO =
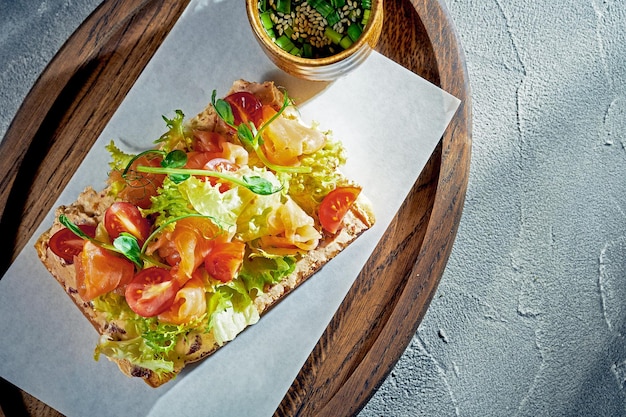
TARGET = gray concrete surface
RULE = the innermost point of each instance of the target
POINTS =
(529, 319)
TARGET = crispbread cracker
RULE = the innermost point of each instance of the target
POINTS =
(90, 206)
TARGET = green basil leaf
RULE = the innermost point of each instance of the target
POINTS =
(224, 111)
(70, 225)
(174, 159)
(129, 247)
(245, 135)
(259, 185)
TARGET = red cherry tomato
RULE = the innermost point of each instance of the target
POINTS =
(151, 292)
(224, 260)
(126, 217)
(99, 271)
(246, 107)
(335, 206)
(65, 244)
(220, 165)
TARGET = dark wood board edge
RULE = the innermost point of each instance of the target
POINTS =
(363, 341)
(70, 99)
(75, 96)
(141, 26)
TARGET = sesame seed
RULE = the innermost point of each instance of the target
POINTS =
(305, 24)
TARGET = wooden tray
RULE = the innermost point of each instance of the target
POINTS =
(82, 86)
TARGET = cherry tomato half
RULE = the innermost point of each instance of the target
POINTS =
(126, 217)
(151, 292)
(245, 106)
(65, 244)
(335, 206)
(220, 165)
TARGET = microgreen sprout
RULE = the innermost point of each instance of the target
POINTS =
(173, 165)
(139, 155)
(176, 134)
(128, 245)
(125, 244)
(176, 159)
(173, 159)
(249, 135)
(256, 184)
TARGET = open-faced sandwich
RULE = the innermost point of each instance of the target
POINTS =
(191, 241)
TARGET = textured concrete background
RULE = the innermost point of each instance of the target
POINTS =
(529, 319)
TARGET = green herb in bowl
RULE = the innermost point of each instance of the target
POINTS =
(314, 28)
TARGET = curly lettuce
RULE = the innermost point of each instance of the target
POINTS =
(151, 344)
(179, 135)
(258, 271)
(208, 200)
(309, 189)
(148, 343)
(169, 203)
(119, 158)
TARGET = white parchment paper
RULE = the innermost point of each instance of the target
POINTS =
(389, 119)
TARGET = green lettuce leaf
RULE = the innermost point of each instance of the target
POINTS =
(309, 189)
(119, 158)
(207, 200)
(258, 271)
(134, 350)
(228, 323)
(230, 311)
(169, 203)
(148, 343)
(252, 221)
(179, 134)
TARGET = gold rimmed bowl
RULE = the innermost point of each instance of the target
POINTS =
(318, 40)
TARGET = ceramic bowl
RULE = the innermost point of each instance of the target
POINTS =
(319, 69)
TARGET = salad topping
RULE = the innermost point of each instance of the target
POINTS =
(203, 224)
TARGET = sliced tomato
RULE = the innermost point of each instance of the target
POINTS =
(189, 303)
(151, 292)
(66, 244)
(224, 260)
(126, 217)
(246, 107)
(99, 271)
(220, 165)
(335, 206)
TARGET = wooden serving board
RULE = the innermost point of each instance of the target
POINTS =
(79, 91)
